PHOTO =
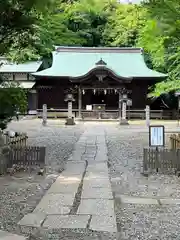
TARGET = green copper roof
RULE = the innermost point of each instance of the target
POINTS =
(8, 67)
(77, 62)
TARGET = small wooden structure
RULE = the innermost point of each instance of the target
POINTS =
(175, 141)
(161, 160)
(27, 156)
(20, 155)
(19, 141)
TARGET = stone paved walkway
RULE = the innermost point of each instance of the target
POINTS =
(79, 205)
(81, 197)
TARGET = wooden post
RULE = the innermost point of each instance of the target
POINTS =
(79, 102)
(44, 122)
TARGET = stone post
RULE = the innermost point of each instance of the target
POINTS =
(70, 109)
(44, 115)
(123, 120)
(80, 102)
(4, 149)
(120, 96)
(147, 111)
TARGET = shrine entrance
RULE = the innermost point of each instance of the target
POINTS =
(107, 97)
(100, 92)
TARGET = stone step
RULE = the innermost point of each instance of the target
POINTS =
(9, 236)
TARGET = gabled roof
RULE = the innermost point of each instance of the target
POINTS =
(8, 67)
(77, 62)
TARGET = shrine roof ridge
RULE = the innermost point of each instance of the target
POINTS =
(98, 49)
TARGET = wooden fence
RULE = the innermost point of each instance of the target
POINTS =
(21, 155)
(161, 160)
(27, 156)
(19, 141)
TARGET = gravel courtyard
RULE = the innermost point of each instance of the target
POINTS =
(137, 216)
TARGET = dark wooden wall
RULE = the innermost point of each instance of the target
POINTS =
(52, 93)
(139, 94)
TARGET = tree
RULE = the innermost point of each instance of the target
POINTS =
(161, 38)
(124, 25)
(38, 40)
(88, 18)
(16, 17)
(12, 99)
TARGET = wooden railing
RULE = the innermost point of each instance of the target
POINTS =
(174, 141)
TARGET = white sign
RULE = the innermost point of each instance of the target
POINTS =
(89, 107)
(156, 136)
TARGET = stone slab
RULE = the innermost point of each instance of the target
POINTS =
(64, 188)
(97, 175)
(66, 179)
(66, 184)
(8, 236)
(103, 223)
(55, 204)
(32, 220)
(66, 222)
(96, 183)
(100, 207)
(137, 200)
(101, 193)
(101, 158)
(170, 201)
(72, 165)
(97, 167)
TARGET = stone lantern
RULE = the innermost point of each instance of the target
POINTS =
(69, 99)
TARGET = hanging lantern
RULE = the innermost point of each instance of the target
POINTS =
(83, 91)
(94, 91)
(105, 91)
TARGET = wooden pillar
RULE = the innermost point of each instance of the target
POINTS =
(79, 102)
(32, 101)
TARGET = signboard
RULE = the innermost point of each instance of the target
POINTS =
(156, 136)
(89, 107)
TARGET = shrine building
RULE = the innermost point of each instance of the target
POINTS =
(97, 76)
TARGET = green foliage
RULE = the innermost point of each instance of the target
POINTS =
(88, 19)
(161, 39)
(124, 25)
(17, 16)
(12, 99)
(29, 30)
